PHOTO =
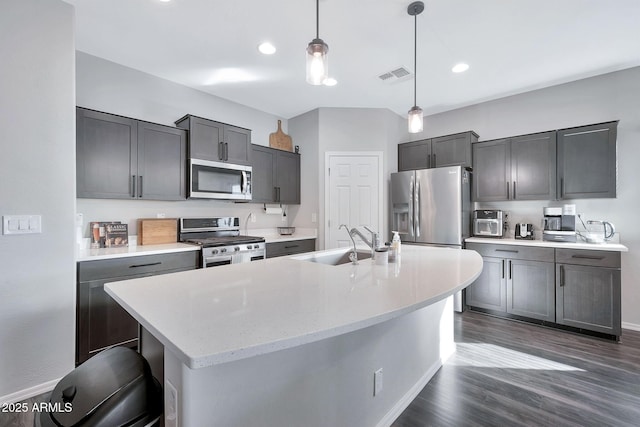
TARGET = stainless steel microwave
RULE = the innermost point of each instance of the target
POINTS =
(218, 180)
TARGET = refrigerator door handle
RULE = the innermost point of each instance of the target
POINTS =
(417, 208)
(411, 205)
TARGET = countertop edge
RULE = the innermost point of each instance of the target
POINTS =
(613, 247)
(132, 251)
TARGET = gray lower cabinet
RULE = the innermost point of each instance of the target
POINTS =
(449, 150)
(123, 158)
(588, 290)
(290, 247)
(518, 168)
(587, 161)
(215, 141)
(100, 321)
(276, 176)
(515, 280)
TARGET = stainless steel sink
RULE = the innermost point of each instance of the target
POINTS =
(333, 257)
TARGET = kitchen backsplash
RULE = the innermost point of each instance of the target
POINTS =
(129, 211)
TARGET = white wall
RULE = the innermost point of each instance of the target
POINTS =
(348, 129)
(614, 96)
(37, 176)
(106, 86)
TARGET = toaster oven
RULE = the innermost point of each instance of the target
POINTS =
(488, 223)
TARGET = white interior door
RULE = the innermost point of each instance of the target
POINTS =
(353, 195)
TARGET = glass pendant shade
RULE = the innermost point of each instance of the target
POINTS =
(415, 119)
(317, 62)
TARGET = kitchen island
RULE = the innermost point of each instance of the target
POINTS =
(287, 341)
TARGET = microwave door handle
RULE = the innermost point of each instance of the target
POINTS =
(245, 183)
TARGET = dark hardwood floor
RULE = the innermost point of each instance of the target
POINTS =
(508, 373)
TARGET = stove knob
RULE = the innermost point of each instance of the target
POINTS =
(215, 251)
(249, 246)
(223, 250)
(237, 249)
(256, 246)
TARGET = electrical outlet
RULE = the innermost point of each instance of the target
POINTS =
(161, 215)
(253, 217)
(377, 382)
(170, 405)
(314, 217)
(283, 218)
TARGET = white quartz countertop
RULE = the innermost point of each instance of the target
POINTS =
(218, 315)
(543, 243)
(133, 250)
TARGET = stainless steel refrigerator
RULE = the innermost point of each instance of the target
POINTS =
(432, 207)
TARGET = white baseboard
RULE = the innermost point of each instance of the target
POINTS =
(406, 400)
(631, 326)
(30, 392)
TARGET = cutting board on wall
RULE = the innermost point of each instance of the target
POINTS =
(280, 140)
(156, 231)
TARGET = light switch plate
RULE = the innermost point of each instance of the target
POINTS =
(21, 224)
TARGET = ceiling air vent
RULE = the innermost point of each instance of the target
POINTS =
(396, 75)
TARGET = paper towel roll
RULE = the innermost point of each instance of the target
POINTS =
(273, 211)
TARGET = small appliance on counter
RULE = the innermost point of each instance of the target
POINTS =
(559, 224)
(524, 231)
(488, 223)
(599, 231)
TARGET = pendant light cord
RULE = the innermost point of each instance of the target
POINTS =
(415, 58)
(317, 19)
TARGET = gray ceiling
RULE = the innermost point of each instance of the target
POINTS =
(512, 46)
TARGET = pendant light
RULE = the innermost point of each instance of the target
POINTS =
(317, 51)
(415, 113)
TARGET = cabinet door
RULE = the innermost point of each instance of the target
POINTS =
(288, 177)
(489, 289)
(452, 150)
(587, 162)
(290, 247)
(237, 145)
(491, 170)
(102, 322)
(588, 298)
(533, 167)
(531, 289)
(106, 155)
(205, 139)
(262, 177)
(414, 155)
(162, 155)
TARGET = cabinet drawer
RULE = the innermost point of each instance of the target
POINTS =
(136, 265)
(290, 247)
(588, 257)
(512, 251)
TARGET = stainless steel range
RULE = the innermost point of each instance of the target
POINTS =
(221, 241)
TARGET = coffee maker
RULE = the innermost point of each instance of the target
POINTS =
(559, 224)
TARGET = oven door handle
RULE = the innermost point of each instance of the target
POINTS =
(218, 259)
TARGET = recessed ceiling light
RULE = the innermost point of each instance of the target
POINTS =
(329, 81)
(267, 48)
(460, 67)
(165, 1)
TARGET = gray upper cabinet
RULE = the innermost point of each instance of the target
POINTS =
(162, 152)
(518, 168)
(414, 155)
(450, 150)
(491, 170)
(215, 141)
(587, 161)
(123, 158)
(276, 176)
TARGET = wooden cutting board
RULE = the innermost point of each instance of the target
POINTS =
(153, 231)
(280, 140)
